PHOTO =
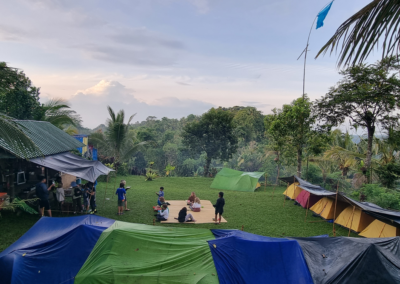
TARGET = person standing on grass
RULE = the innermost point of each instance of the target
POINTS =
(219, 208)
(43, 193)
(86, 198)
(60, 195)
(160, 194)
(76, 199)
(126, 201)
(121, 192)
(92, 197)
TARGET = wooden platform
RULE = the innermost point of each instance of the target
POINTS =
(206, 214)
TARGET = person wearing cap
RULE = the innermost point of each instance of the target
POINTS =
(42, 191)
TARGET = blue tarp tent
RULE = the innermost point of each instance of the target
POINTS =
(52, 251)
(241, 257)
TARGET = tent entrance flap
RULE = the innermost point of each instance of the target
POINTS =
(74, 165)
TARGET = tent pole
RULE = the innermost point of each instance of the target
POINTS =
(308, 202)
(115, 182)
(384, 224)
(351, 224)
(105, 192)
(334, 212)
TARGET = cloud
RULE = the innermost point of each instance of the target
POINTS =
(8, 33)
(201, 5)
(92, 102)
(255, 104)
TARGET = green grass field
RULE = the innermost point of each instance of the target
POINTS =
(259, 212)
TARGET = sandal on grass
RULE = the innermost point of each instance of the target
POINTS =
(127, 209)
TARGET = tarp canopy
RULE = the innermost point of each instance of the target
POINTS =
(378, 229)
(136, 253)
(345, 260)
(228, 179)
(312, 188)
(306, 199)
(74, 165)
(354, 219)
(242, 257)
(52, 251)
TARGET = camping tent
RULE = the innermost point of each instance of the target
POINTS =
(353, 218)
(242, 257)
(378, 229)
(293, 190)
(306, 199)
(228, 179)
(312, 188)
(326, 208)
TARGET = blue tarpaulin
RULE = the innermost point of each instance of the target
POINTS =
(241, 257)
(52, 251)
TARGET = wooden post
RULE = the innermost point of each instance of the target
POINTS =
(334, 212)
(242, 227)
(351, 224)
(154, 222)
(105, 192)
(308, 202)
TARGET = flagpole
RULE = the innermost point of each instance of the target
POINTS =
(305, 58)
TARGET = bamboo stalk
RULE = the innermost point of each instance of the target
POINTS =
(382, 230)
(334, 212)
(351, 224)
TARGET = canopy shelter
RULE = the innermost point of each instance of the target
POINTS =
(74, 165)
(306, 199)
(326, 208)
(242, 257)
(228, 179)
(378, 229)
(352, 260)
(311, 188)
(354, 219)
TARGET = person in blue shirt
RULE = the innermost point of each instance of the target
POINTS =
(43, 193)
(160, 194)
(121, 192)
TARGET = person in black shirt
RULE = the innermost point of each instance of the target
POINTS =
(76, 199)
(184, 217)
(43, 193)
(219, 208)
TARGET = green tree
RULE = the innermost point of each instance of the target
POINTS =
(293, 123)
(250, 124)
(368, 96)
(58, 113)
(18, 97)
(360, 34)
(213, 134)
(118, 142)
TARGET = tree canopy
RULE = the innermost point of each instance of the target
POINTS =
(214, 134)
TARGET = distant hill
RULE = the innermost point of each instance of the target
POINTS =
(88, 131)
(101, 127)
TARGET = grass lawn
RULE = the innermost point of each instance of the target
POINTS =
(259, 212)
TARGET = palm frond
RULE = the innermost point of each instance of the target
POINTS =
(12, 135)
(360, 34)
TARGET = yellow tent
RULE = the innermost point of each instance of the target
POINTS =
(378, 229)
(325, 207)
(293, 190)
(354, 219)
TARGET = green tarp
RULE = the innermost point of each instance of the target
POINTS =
(228, 179)
(135, 253)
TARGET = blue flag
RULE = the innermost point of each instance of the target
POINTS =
(322, 15)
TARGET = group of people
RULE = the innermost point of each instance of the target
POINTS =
(194, 204)
(87, 192)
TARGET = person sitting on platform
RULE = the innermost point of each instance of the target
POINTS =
(191, 199)
(184, 216)
(163, 214)
(196, 205)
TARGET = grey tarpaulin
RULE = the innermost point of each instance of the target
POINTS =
(311, 188)
(74, 165)
(352, 260)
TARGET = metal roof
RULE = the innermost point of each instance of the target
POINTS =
(47, 137)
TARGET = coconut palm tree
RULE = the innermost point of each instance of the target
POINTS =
(58, 113)
(118, 141)
(357, 37)
(11, 134)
